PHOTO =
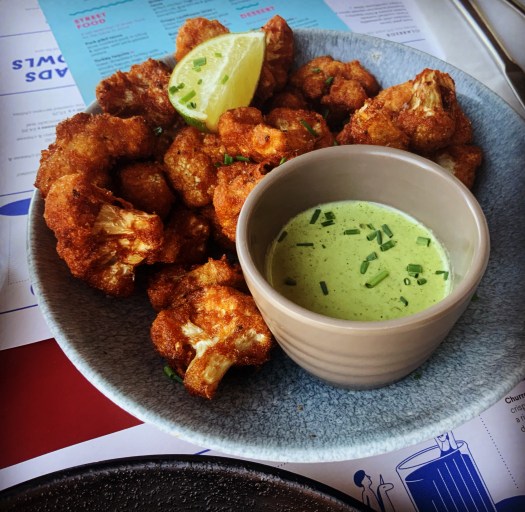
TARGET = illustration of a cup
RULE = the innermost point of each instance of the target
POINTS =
(442, 481)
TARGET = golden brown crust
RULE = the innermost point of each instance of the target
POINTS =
(195, 31)
(101, 238)
(90, 144)
(140, 91)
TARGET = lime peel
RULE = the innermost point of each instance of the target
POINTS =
(226, 77)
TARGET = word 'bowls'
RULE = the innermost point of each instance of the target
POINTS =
(359, 354)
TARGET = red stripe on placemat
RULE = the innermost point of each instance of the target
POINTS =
(46, 404)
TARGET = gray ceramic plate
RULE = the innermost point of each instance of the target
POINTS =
(183, 483)
(282, 413)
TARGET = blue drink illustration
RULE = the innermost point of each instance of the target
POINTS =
(440, 480)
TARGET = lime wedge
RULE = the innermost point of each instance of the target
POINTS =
(219, 74)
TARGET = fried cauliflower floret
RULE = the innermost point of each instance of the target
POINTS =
(278, 58)
(186, 235)
(101, 238)
(305, 130)
(430, 119)
(139, 91)
(341, 87)
(460, 160)
(173, 283)
(195, 31)
(283, 133)
(214, 328)
(190, 165)
(144, 185)
(234, 183)
(289, 97)
(90, 144)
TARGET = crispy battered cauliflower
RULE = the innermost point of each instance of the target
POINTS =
(140, 91)
(91, 144)
(191, 165)
(144, 185)
(195, 31)
(173, 283)
(101, 238)
(460, 160)
(213, 329)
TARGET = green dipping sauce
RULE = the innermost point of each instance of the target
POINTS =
(358, 260)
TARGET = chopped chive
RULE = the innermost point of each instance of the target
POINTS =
(387, 231)
(224, 79)
(403, 300)
(329, 215)
(192, 105)
(443, 272)
(324, 288)
(241, 158)
(387, 245)
(305, 244)
(421, 281)
(188, 97)
(228, 160)
(311, 131)
(329, 222)
(218, 54)
(329, 80)
(158, 130)
(371, 226)
(316, 70)
(353, 231)
(415, 275)
(379, 237)
(414, 267)
(371, 235)
(377, 279)
(168, 371)
(364, 266)
(315, 215)
(422, 240)
(201, 61)
(282, 160)
(173, 89)
(196, 68)
(199, 81)
(406, 281)
(290, 282)
(282, 236)
(371, 257)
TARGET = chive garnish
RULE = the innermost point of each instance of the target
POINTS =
(311, 131)
(324, 288)
(228, 160)
(414, 267)
(316, 70)
(290, 282)
(305, 244)
(379, 237)
(329, 215)
(315, 216)
(353, 231)
(422, 240)
(329, 222)
(371, 226)
(282, 236)
(199, 81)
(371, 257)
(387, 245)
(421, 281)
(241, 158)
(371, 235)
(224, 79)
(443, 272)
(387, 231)
(218, 54)
(168, 371)
(282, 160)
(158, 130)
(173, 89)
(188, 97)
(201, 61)
(403, 300)
(192, 105)
(406, 281)
(377, 279)
(364, 266)
(329, 80)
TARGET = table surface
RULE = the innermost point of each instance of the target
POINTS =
(53, 418)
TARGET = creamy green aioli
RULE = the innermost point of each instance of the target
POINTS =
(358, 260)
